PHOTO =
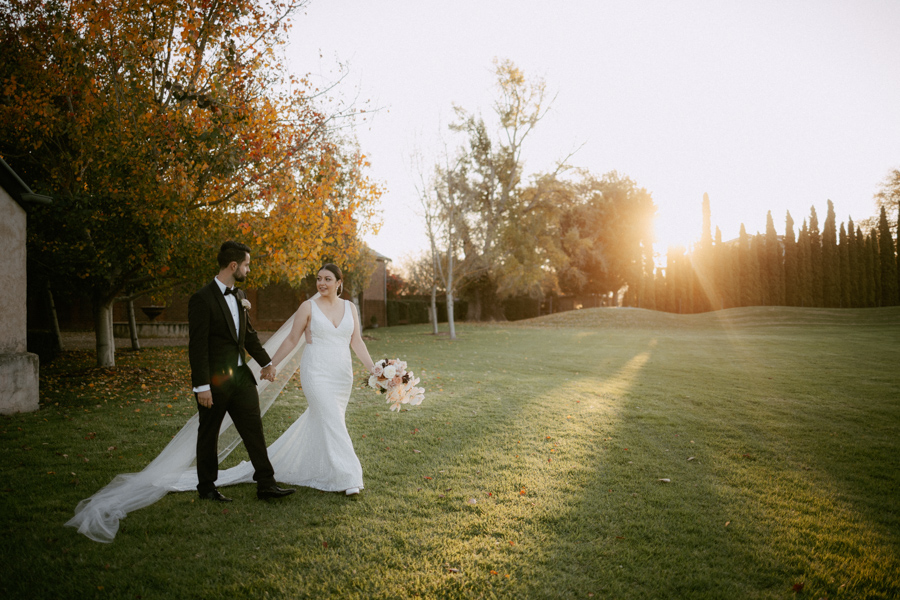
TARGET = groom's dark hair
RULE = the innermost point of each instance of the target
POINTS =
(232, 252)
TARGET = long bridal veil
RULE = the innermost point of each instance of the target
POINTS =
(98, 517)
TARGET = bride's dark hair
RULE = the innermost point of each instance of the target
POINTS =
(335, 270)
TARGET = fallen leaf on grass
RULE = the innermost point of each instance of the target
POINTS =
(690, 458)
(452, 570)
(727, 523)
(417, 451)
(666, 480)
(473, 501)
(798, 587)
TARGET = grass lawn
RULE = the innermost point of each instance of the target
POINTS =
(603, 453)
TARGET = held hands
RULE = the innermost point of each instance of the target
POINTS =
(205, 399)
(268, 373)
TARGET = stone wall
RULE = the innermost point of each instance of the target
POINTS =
(13, 295)
(18, 383)
(18, 368)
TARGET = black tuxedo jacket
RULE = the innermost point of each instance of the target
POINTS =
(214, 347)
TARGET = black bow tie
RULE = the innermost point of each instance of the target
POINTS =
(231, 291)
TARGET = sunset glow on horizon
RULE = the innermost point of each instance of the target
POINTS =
(768, 106)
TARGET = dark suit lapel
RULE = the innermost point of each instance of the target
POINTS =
(220, 298)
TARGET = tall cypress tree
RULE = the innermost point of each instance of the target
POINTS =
(853, 251)
(846, 280)
(671, 277)
(804, 268)
(888, 261)
(866, 279)
(748, 289)
(649, 300)
(692, 287)
(873, 269)
(774, 264)
(791, 283)
(757, 259)
(817, 296)
(659, 285)
(831, 286)
(683, 276)
(737, 282)
(723, 272)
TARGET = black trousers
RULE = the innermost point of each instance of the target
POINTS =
(238, 398)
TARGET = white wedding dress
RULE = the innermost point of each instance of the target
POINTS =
(315, 451)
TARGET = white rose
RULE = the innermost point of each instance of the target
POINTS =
(245, 303)
(373, 382)
(389, 371)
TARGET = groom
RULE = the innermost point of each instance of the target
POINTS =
(220, 336)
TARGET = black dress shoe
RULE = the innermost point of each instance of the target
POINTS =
(214, 495)
(273, 492)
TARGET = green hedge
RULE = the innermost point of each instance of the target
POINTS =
(414, 311)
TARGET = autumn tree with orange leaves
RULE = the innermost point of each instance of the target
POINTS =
(161, 128)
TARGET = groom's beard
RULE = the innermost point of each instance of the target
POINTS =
(240, 278)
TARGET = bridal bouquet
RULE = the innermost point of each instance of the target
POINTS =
(392, 378)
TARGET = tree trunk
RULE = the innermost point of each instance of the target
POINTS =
(54, 320)
(450, 316)
(132, 326)
(433, 310)
(103, 331)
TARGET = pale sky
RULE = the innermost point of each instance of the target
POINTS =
(765, 105)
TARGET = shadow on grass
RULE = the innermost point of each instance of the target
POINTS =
(791, 478)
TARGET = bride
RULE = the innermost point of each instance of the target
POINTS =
(315, 451)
